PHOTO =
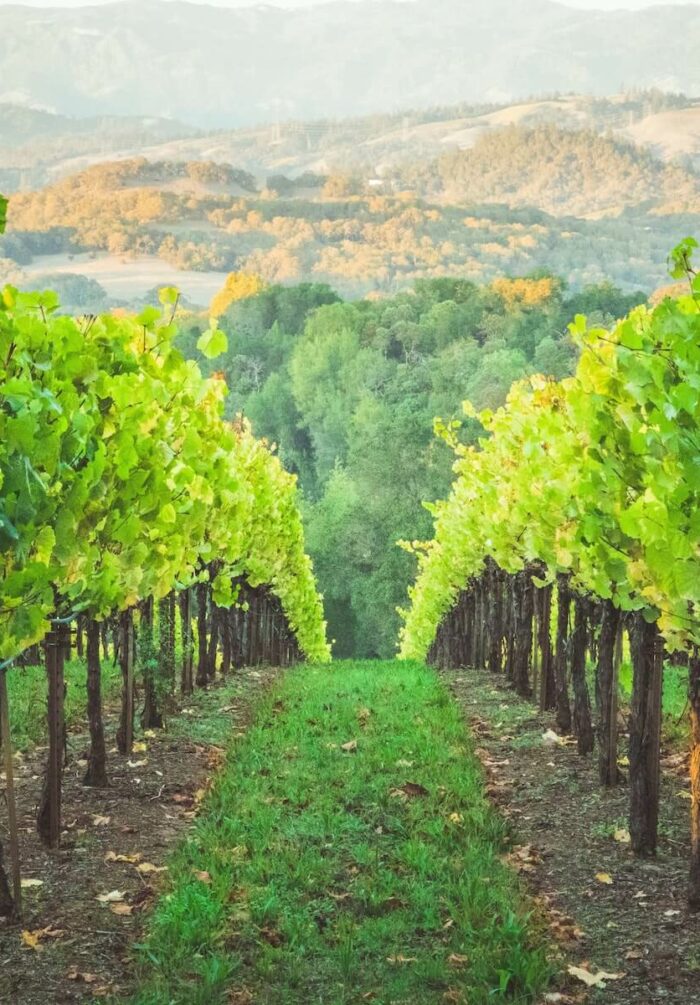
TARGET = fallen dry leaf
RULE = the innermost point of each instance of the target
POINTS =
(411, 790)
(76, 975)
(32, 939)
(363, 716)
(140, 748)
(605, 878)
(523, 858)
(30, 884)
(350, 747)
(271, 936)
(99, 821)
(215, 758)
(399, 958)
(623, 836)
(113, 897)
(457, 961)
(634, 954)
(146, 868)
(404, 764)
(123, 910)
(453, 996)
(112, 856)
(203, 877)
(240, 996)
(593, 980)
(138, 764)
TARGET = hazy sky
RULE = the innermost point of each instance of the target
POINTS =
(585, 4)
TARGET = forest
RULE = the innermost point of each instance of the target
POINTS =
(349, 391)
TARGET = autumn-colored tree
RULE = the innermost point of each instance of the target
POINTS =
(524, 292)
(238, 286)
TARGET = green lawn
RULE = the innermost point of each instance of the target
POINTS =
(330, 875)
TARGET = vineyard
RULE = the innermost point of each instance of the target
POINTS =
(124, 492)
(571, 535)
(290, 829)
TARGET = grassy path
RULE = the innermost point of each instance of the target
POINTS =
(345, 854)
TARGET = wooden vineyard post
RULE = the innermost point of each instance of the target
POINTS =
(523, 611)
(172, 603)
(154, 662)
(213, 650)
(202, 592)
(10, 795)
(606, 692)
(250, 623)
(496, 621)
(547, 694)
(79, 646)
(96, 773)
(560, 654)
(509, 624)
(583, 727)
(225, 628)
(694, 698)
(535, 656)
(269, 657)
(187, 649)
(645, 734)
(49, 816)
(125, 733)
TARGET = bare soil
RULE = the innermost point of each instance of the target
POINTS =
(70, 946)
(608, 910)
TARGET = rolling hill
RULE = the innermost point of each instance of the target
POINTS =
(562, 172)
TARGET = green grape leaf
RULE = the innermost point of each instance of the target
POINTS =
(680, 261)
(148, 317)
(212, 343)
(168, 514)
(168, 295)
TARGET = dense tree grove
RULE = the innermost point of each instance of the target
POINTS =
(349, 393)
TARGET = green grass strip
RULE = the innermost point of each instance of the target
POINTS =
(322, 880)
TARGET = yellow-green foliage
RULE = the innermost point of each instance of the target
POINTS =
(596, 476)
(120, 479)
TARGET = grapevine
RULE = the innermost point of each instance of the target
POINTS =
(592, 483)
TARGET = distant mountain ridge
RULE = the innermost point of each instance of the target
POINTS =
(218, 67)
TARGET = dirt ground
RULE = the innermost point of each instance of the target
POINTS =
(72, 947)
(609, 911)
